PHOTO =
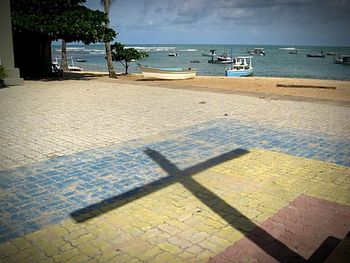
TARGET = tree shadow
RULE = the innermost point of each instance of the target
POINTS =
(142, 79)
(69, 76)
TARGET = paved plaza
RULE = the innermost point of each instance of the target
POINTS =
(106, 172)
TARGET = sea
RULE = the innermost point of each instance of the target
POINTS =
(276, 63)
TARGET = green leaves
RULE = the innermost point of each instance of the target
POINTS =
(125, 55)
(120, 53)
(60, 19)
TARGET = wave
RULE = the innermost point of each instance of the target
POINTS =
(189, 50)
(83, 50)
(72, 49)
(154, 49)
(96, 51)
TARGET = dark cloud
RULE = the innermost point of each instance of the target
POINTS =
(303, 18)
(285, 11)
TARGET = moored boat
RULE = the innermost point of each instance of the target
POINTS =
(287, 48)
(219, 61)
(346, 59)
(223, 59)
(316, 55)
(172, 54)
(257, 51)
(343, 59)
(241, 67)
(211, 53)
(168, 73)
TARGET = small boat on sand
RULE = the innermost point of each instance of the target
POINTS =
(71, 67)
(168, 73)
(241, 67)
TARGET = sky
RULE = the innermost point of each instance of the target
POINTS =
(264, 22)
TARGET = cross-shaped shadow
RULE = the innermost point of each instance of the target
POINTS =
(232, 216)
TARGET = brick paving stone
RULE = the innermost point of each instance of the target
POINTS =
(47, 119)
(62, 185)
(304, 226)
(174, 176)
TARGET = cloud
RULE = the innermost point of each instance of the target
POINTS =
(229, 17)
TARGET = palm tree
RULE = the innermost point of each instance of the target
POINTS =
(106, 4)
(64, 63)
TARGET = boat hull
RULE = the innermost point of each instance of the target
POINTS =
(239, 73)
(315, 56)
(208, 55)
(168, 73)
(74, 68)
(220, 61)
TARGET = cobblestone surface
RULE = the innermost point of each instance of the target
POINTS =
(48, 119)
(135, 189)
(294, 226)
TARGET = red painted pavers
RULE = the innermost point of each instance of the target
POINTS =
(305, 225)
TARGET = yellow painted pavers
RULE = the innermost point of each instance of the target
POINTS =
(172, 225)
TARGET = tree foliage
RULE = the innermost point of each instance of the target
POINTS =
(125, 55)
(60, 19)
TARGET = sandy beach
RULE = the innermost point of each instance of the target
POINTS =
(264, 87)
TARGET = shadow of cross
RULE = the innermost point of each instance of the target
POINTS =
(232, 216)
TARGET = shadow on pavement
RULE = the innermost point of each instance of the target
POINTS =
(232, 216)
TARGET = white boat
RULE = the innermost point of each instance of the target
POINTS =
(71, 67)
(316, 55)
(217, 61)
(172, 54)
(223, 59)
(257, 51)
(241, 67)
(343, 59)
(211, 53)
(168, 73)
(287, 48)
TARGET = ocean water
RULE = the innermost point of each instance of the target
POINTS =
(276, 63)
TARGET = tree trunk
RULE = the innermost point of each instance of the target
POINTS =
(110, 66)
(64, 63)
(126, 67)
(111, 70)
